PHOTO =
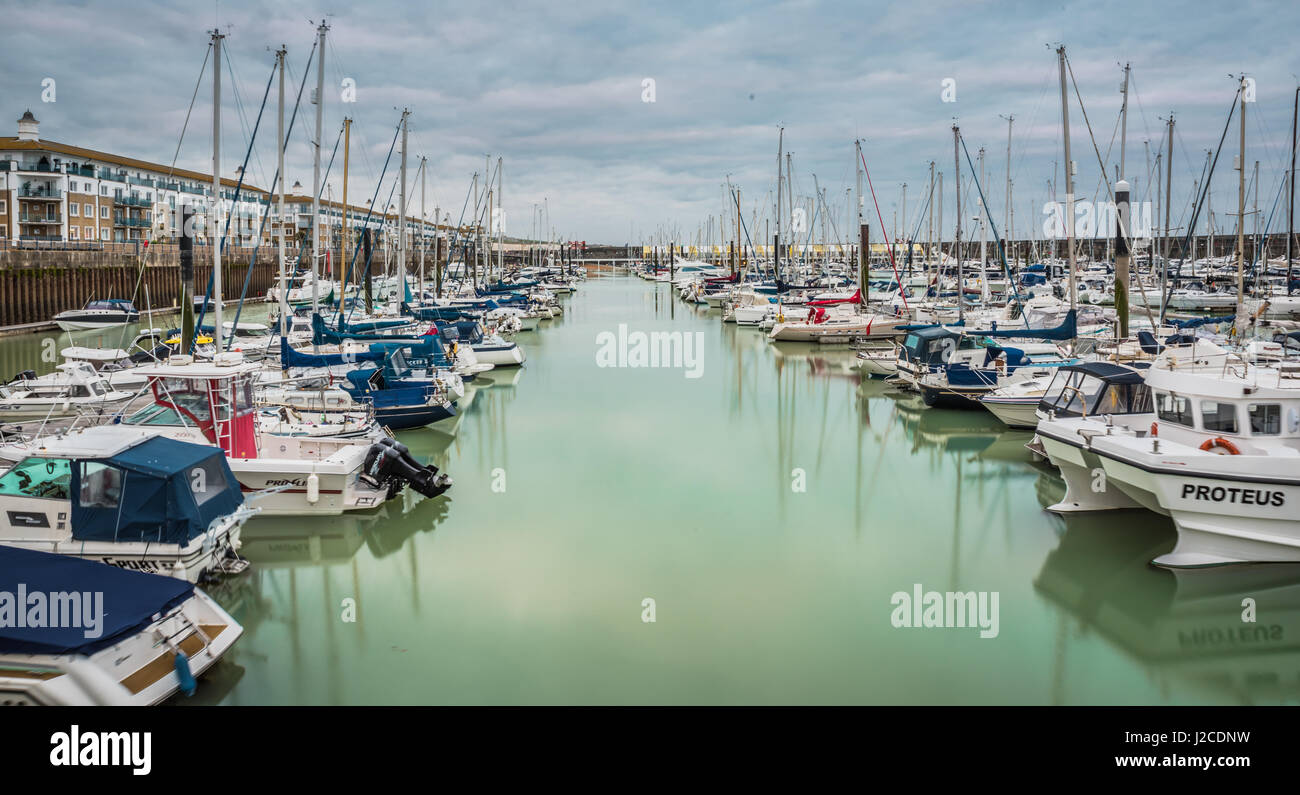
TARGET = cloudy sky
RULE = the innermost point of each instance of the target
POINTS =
(558, 91)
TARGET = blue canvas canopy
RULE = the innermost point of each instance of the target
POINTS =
(130, 601)
(161, 490)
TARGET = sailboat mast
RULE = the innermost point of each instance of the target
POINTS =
(1241, 215)
(343, 220)
(1123, 123)
(501, 225)
(215, 236)
(279, 142)
(956, 163)
(424, 239)
(1169, 182)
(1069, 181)
(1290, 204)
(776, 247)
(401, 214)
(314, 226)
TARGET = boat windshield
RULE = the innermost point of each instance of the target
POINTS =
(46, 478)
(155, 415)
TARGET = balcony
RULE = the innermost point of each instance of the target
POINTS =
(42, 168)
(39, 192)
(107, 174)
(134, 201)
(81, 171)
(39, 219)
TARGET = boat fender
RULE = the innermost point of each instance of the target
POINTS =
(182, 665)
(313, 488)
(1154, 429)
(1210, 444)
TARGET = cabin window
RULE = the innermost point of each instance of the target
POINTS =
(47, 478)
(1220, 417)
(1175, 409)
(207, 480)
(1265, 419)
(101, 486)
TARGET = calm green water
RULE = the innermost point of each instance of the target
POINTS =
(614, 485)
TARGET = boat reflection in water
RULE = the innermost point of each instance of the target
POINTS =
(1188, 628)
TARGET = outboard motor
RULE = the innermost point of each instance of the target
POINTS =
(389, 461)
(25, 375)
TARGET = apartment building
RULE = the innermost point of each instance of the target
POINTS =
(55, 192)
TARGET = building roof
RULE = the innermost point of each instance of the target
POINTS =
(10, 142)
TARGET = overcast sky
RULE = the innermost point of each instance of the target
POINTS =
(557, 90)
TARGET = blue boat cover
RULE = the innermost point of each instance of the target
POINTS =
(130, 601)
(1068, 330)
(161, 490)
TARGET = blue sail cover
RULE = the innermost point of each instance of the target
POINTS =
(130, 601)
(293, 358)
(322, 334)
(161, 490)
(1208, 320)
(1068, 330)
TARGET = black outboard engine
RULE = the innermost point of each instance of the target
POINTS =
(25, 375)
(389, 461)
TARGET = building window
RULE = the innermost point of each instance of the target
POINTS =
(73, 233)
(103, 211)
(1265, 419)
(103, 234)
(90, 233)
(4, 206)
(103, 190)
(74, 209)
(89, 209)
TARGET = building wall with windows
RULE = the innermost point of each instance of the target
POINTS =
(50, 191)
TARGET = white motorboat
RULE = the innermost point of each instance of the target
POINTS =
(213, 404)
(1016, 404)
(128, 497)
(1215, 445)
(138, 638)
(98, 314)
(818, 324)
(75, 388)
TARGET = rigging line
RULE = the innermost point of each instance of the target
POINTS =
(1208, 172)
(1141, 110)
(243, 113)
(883, 233)
(186, 125)
(996, 237)
(1110, 193)
(366, 221)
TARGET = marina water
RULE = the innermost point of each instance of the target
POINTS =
(632, 535)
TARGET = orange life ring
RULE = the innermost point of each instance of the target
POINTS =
(1219, 441)
(1155, 429)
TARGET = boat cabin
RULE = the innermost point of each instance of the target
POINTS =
(1088, 389)
(111, 484)
(215, 397)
